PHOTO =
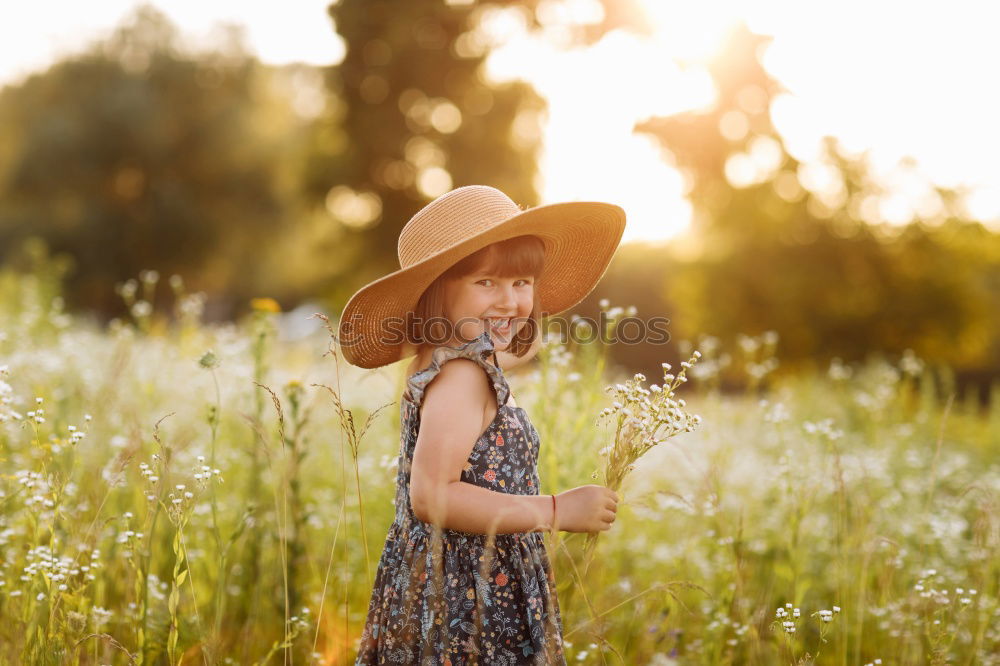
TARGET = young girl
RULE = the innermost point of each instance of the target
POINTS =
(464, 576)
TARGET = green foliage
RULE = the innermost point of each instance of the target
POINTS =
(867, 488)
(133, 156)
(31, 291)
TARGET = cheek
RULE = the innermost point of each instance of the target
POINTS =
(526, 302)
(457, 301)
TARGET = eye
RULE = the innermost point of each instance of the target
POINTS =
(482, 281)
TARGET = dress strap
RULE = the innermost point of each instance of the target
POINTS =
(478, 350)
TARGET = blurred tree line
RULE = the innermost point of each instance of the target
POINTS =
(294, 182)
(132, 156)
(771, 254)
(247, 179)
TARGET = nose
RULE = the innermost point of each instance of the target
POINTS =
(506, 301)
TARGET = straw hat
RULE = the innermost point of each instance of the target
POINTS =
(580, 238)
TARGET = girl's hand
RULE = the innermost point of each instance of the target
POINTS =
(589, 508)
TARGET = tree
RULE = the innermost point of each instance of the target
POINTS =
(415, 116)
(132, 156)
(776, 255)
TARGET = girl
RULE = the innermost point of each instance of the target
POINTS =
(464, 576)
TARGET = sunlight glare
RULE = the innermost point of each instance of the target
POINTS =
(596, 95)
(694, 31)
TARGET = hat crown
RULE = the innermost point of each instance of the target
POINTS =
(450, 219)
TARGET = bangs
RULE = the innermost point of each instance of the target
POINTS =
(521, 255)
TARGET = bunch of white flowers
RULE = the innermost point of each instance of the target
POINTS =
(643, 418)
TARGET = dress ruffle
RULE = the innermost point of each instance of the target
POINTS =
(479, 350)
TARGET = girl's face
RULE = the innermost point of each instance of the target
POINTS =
(481, 301)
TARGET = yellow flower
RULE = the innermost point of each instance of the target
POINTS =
(265, 305)
(469, 594)
(502, 484)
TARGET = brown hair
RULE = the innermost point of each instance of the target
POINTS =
(521, 255)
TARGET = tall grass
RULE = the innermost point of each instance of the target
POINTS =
(160, 504)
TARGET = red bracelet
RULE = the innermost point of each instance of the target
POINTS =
(553, 513)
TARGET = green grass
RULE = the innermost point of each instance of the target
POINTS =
(876, 493)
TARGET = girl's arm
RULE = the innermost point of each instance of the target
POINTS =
(476, 510)
(451, 421)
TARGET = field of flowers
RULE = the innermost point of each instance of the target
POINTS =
(174, 492)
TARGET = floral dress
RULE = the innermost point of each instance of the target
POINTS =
(446, 597)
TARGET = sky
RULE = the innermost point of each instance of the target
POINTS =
(893, 78)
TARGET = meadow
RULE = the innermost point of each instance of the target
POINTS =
(178, 492)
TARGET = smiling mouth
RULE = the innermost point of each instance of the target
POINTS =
(501, 326)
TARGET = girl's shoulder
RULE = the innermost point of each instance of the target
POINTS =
(460, 383)
(462, 368)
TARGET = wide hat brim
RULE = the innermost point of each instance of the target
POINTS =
(580, 239)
